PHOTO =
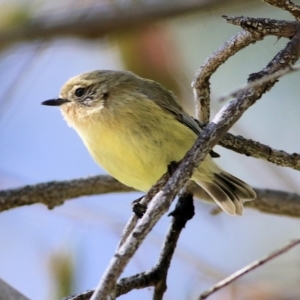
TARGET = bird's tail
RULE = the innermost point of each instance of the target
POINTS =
(228, 191)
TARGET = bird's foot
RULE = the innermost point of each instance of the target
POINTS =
(138, 208)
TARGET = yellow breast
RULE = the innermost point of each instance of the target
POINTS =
(135, 148)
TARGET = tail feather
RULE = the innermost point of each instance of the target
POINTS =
(241, 189)
(228, 191)
(220, 196)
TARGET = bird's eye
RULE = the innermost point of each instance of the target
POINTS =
(104, 96)
(79, 92)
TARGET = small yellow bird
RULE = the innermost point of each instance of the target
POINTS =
(134, 128)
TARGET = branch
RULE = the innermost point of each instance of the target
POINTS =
(156, 209)
(280, 73)
(145, 201)
(276, 202)
(98, 21)
(286, 5)
(184, 211)
(247, 269)
(7, 292)
(201, 84)
(255, 149)
(265, 26)
(54, 193)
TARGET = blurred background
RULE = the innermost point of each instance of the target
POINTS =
(47, 254)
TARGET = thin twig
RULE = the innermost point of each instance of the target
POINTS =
(201, 84)
(255, 149)
(288, 70)
(27, 67)
(54, 193)
(286, 5)
(247, 269)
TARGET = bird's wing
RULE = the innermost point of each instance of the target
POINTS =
(183, 117)
(190, 122)
(167, 100)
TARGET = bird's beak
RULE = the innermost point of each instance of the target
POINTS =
(55, 102)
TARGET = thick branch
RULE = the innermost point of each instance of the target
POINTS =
(146, 199)
(123, 255)
(98, 21)
(276, 202)
(7, 292)
(54, 193)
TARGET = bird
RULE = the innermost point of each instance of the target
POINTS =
(134, 128)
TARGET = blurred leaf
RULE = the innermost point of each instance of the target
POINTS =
(13, 15)
(61, 266)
